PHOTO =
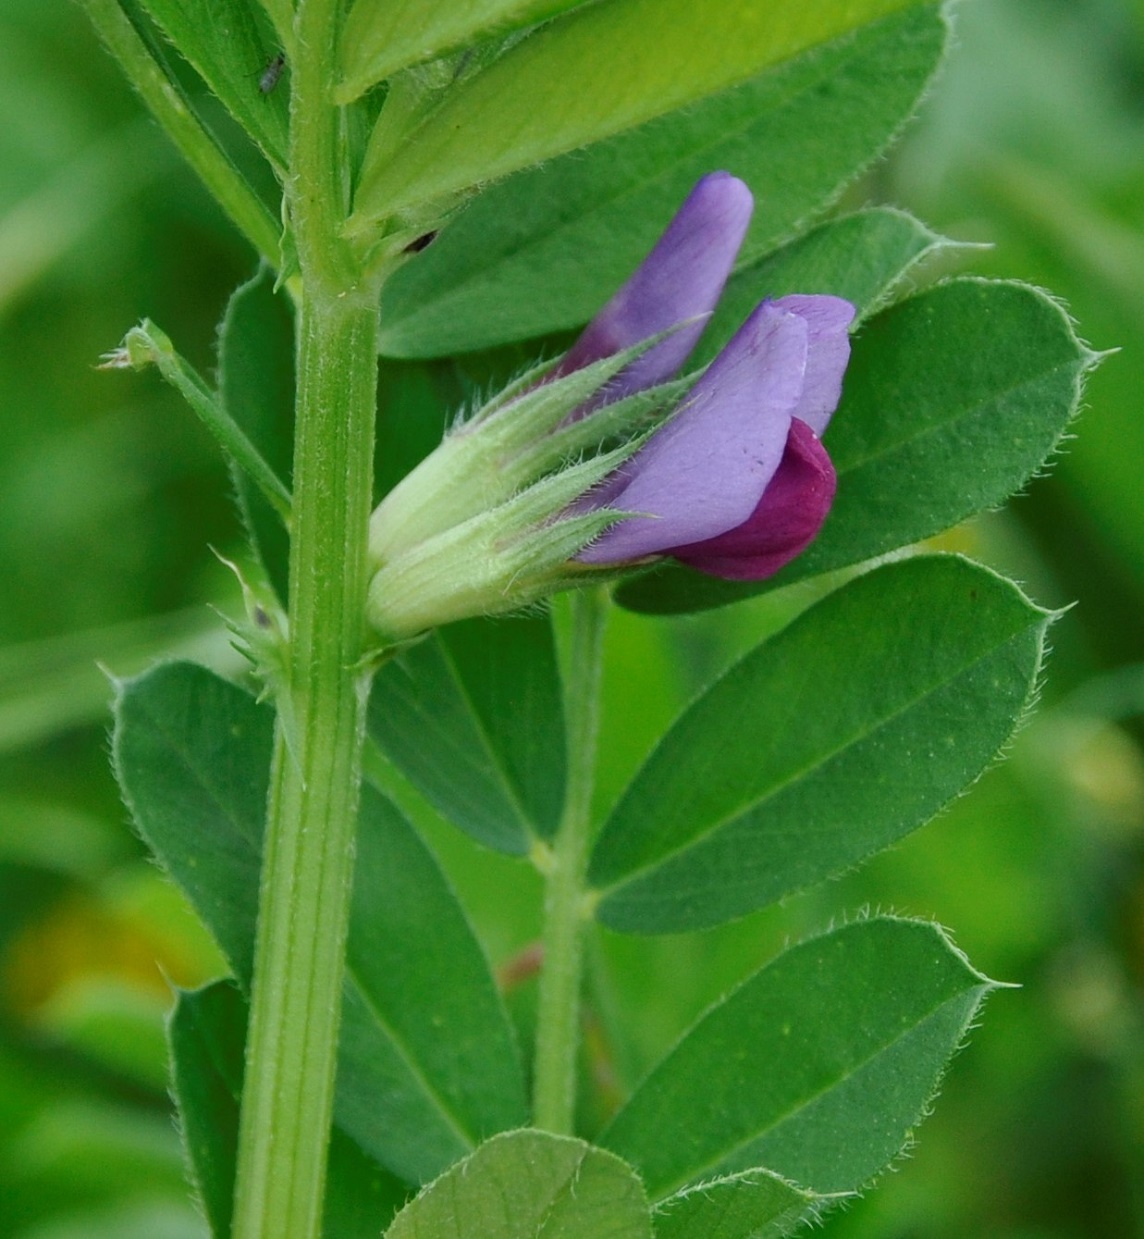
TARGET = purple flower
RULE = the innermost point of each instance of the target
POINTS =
(554, 477)
(736, 484)
(680, 281)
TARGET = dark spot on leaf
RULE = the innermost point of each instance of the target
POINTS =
(423, 242)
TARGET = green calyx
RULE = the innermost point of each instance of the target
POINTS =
(518, 438)
(503, 559)
(492, 520)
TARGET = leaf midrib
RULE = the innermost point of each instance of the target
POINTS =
(823, 758)
(252, 841)
(961, 413)
(489, 774)
(485, 737)
(809, 1099)
(453, 1121)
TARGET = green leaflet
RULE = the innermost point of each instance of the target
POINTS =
(426, 1041)
(824, 745)
(192, 756)
(473, 717)
(378, 39)
(817, 1067)
(256, 387)
(428, 1065)
(416, 402)
(231, 48)
(753, 1205)
(544, 250)
(207, 1034)
(952, 401)
(133, 41)
(600, 70)
(530, 1185)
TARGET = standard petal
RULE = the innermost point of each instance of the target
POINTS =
(828, 320)
(706, 470)
(682, 278)
(786, 520)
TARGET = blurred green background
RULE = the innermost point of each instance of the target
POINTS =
(110, 495)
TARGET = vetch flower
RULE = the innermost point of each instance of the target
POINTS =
(736, 484)
(601, 461)
(492, 456)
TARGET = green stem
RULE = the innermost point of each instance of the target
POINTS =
(171, 109)
(308, 862)
(558, 1015)
(288, 1091)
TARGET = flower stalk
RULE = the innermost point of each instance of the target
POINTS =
(558, 1015)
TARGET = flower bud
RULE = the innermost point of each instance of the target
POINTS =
(600, 461)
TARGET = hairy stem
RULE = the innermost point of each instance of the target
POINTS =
(307, 875)
(558, 1016)
(308, 862)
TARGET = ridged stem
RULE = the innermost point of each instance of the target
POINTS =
(307, 872)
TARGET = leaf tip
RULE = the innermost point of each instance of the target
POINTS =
(1091, 358)
(995, 985)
